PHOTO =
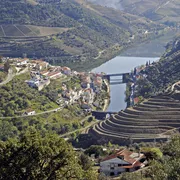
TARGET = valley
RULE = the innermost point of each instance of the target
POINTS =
(89, 89)
(73, 34)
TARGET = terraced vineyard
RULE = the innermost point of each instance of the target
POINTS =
(154, 119)
(28, 31)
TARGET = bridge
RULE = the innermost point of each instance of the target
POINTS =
(101, 115)
(124, 78)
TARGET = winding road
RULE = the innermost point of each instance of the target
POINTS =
(11, 75)
(45, 112)
(8, 78)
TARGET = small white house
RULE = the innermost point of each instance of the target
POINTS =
(29, 112)
(22, 62)
(122, 161)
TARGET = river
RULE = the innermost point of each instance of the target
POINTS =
(120, 64)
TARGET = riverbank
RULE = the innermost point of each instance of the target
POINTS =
(107, 101)
(120, 64)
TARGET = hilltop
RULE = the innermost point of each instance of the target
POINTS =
(73, 33)
(163, 11)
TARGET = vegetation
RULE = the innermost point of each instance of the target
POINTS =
(17, 97)
(95, 150)
(158, 11)
(164, 167)
(88, 31)
(161, 75)
(37, 156)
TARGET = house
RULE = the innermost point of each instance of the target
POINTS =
(44, 73)
(39, 64)
(29, 112)
(22, 62)
(38, 83)
(88, 95)
(54, 75)
(66, 70)
(33, 83)
(122, 161)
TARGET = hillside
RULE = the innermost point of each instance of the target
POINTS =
(155, 117)
(73, 33)
(162, 74)
(163, 11)
(153, 120)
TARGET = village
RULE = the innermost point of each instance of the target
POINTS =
(85, 91)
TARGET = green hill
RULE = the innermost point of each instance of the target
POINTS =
(162, 11)
(73, 33)
(163, 74)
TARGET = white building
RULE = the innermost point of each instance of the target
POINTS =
(29, 112)
(122, 161)
(54, 75)
(22, 62)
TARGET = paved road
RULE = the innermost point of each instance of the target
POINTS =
(82, 129)
(45, 112)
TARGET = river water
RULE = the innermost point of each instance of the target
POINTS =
(120, 64)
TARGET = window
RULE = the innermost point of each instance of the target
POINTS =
(119, 165)
(112, 168)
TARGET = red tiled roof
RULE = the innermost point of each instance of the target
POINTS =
(126, 154)
(136, 100)
(44, 72)
(53, 73)
(66, 68)
(136, 164)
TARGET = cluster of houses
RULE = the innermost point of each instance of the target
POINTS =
(90, 87)
(90, 84)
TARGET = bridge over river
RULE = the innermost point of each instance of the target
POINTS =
(123, 78)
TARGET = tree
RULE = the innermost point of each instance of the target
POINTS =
(97, 150)
(130, 176)
(1, 59)
(7, 130)
(6, 66)
(36, 156)
(152, 153)
(85, 161)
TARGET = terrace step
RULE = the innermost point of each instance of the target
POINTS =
(155, 118)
